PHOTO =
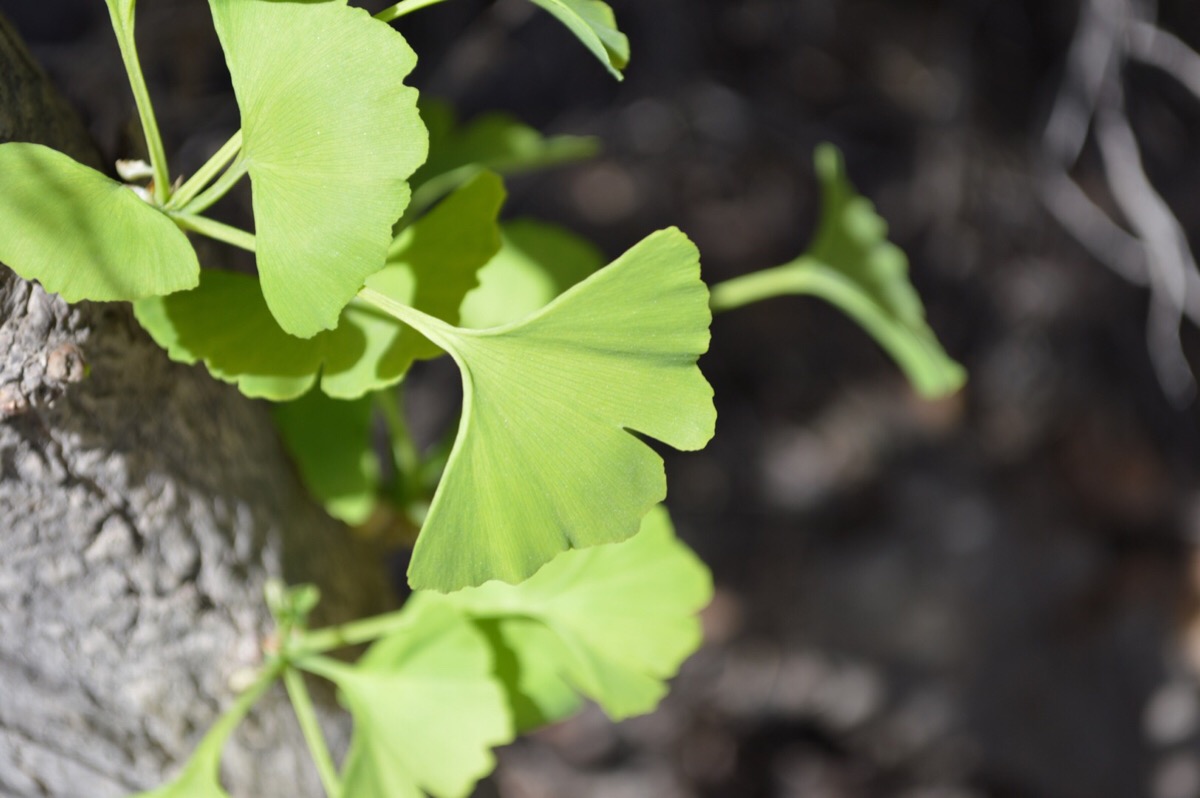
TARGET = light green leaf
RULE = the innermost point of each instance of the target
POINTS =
(330, 136)
(532, 666)
(330, 441)
(852, 265)
(226, 322)
(495, 141)
(536, 263)
(426, 708)
(84, 236)
(596, 26)
(546, 457)
(614, 621)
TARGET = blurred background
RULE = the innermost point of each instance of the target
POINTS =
(990, 596)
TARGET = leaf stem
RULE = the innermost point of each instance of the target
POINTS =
(436, 330)
(215, 230)
(205, 174)
(790, 278)
(364, 630)
(209, 197)
(311, 728)
(402, 8)
(122, 14)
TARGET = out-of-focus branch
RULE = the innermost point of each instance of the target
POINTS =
(1153, 249)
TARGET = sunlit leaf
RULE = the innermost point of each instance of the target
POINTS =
(536, 263)
(867, 277)
(330, 441)
(82, 235)
(546, 457)
(596, 26)
(330, 137)
(494, 141)
(613, 621)
(433, 264)
(853, 265)
(426, 708)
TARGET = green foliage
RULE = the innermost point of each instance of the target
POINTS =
(570, 583)
(431, 265)
(330, 137)
(554, 398)
(536, 263)
(596, 26)
(852, 265)
(495, 142)
(330, 441)
(435, 667)
(613, 622)
(83, 235)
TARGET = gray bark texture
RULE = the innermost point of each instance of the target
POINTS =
(142, 506)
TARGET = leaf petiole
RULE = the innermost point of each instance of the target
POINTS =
(122, 14)
(215, 230)
(402, 8)
(797, 277)
(197, 182)
(353, 633)
(311, 728)
(209, 197)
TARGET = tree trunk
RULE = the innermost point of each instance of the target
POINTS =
(144, 505)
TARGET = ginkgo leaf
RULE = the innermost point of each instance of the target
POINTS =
(433, 264)
(536, 263)
(494, 141)
(330, 136)
(546, 457)
(613, 621)
(532, 666)
(852, 264)
(426, 708)
(84, 236)
(330, 441)
(596, 26)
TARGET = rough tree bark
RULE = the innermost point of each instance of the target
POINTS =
(142, 507)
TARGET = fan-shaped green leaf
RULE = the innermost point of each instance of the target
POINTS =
(546, 457)
(432, 264)
(596, 26)
(614, 621)
(84, 236)
(852, 265)
(330, 441)
(536, 263)
(493, 141)
(330, 136)
(426, 708)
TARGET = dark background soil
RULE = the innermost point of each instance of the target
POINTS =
(989, 595)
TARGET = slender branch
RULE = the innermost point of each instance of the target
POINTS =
(122, 14)
(1154, 46)
(215, 230)
(236, 171)
(196, 183)
(353, 633)
(402, 8)
(311, 728)
(757, 286)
